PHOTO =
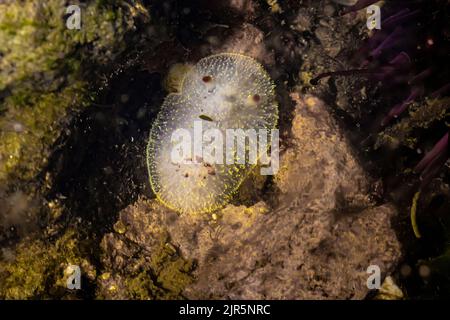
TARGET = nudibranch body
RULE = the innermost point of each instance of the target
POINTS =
(221, 92)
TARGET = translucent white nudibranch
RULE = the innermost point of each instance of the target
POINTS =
(221, 92)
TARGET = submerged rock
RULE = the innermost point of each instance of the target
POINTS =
(139, 260)
(317, 242)
(41, 73)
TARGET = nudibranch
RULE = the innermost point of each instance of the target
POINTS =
(221, 92)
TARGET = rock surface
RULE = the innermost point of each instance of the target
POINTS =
(313, 240)
(311, 232)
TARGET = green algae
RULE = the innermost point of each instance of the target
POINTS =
(169, 283)
(159, 274)
(165, 277)
(42, 72)
(25, 153)
(47, 76)
(38, 268)
(139, 259)
(172, 272)
(421, 116)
